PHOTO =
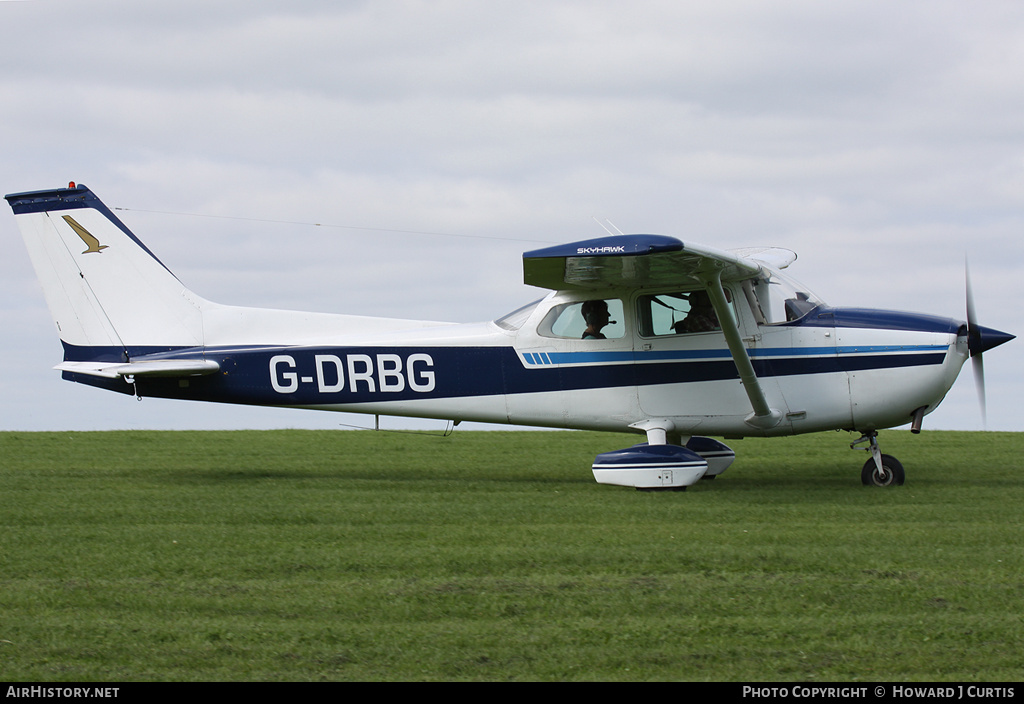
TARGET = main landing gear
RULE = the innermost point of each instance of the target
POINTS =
(880, 470)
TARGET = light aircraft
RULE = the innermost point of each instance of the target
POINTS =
(642, 333)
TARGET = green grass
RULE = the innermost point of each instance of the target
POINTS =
(336, 555)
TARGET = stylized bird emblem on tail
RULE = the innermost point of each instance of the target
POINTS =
(90, 240)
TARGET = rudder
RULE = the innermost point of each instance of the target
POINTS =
(109, 296)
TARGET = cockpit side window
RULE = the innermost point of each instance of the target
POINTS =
(677, 313)
(597, 319)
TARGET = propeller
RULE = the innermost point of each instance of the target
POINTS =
(972, 336)
(980, 339)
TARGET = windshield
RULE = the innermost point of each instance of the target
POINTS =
(783, 299)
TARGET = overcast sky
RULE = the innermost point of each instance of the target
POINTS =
(434, 142)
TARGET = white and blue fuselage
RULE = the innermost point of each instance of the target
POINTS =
(770, 359)
(834, 368)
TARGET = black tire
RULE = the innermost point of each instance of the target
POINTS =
(892, 474)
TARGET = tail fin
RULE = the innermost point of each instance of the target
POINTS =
(109, 296)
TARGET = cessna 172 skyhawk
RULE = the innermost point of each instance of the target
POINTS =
(641, 333)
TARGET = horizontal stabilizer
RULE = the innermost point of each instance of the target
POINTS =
(154, 368)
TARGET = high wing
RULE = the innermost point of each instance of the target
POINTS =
(642, 261)
(634, 261)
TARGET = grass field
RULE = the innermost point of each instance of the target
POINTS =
(348, 555)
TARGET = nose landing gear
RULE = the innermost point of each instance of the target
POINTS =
(880, 470)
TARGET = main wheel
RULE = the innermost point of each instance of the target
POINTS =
(891, 475)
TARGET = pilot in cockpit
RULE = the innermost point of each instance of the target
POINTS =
(701, 317)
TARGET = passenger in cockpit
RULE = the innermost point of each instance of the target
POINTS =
(595, 315)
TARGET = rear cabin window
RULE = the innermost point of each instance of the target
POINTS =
(515, 320)
(596, 319)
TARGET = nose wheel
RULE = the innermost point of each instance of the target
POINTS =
(880, 470)
(890, 474)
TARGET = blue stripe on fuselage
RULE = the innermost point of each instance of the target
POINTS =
(595, 357)
(322, 375)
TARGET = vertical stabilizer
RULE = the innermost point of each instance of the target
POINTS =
(109, 296)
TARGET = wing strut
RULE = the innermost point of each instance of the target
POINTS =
(764, 416)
